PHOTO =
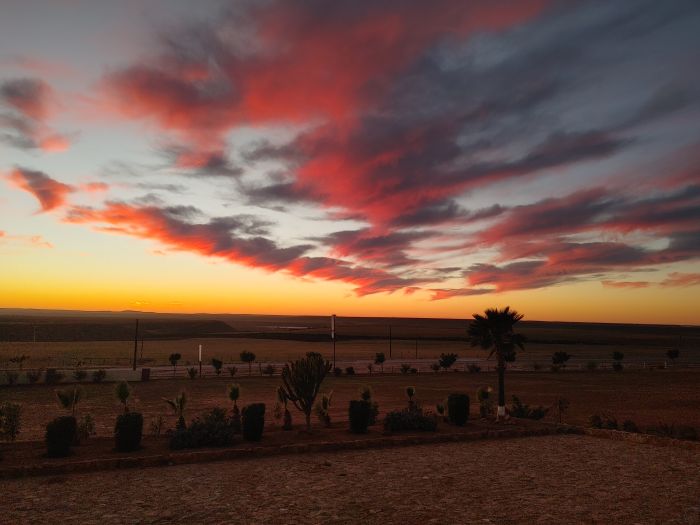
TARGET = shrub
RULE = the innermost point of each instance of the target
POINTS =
(458, 409)
(70, 397)
(269, 370)
(366, 395)
(12, 377)
(603, 421)
(629, 426)
(157, 425)
(10, 420)
(405, 368)
(52, 376)
(234, 392)
(674, 431)
(483, 395)
(447, 360)
(33, 376)
(217, 364)
(473, 368)
(232, 370)
(350, 371)
(128, 431)
(435, 367)
(359, 413)
(618, 356)
(178, 404)
(60, 435)
(536, 366)
(560, 358)
(518, 409)
(415, 370)
(79, 374)
(409, 419)
(212, 430)
(123, 392)
(592, 366)
(192, 372)
(86, 428)
(323, 407)
(617, 366)
(337, 371)
(99, 375)
(253, 421)
(673, 354)
(370, 367)
(555, 368)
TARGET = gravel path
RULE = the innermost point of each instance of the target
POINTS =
(554, 479)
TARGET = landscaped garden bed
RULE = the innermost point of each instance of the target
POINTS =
(26, 458)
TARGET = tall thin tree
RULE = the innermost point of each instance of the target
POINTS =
(494, 331)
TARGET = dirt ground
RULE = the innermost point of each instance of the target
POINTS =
(556, 479)
(645, 396)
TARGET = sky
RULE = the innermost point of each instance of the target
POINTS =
(366, 158)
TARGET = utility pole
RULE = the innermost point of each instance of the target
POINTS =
(416, 348)
(333, 336)
(389, 341)
(136, 342)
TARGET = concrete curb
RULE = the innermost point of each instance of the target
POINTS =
(202, 456)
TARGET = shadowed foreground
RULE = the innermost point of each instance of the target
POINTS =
(556, 479)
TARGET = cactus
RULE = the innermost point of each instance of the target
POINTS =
(302, 381)
(234, 392)
(178, 404)
(323, 407)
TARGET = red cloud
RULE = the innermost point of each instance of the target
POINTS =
(681, 279)
(227, 238)
(50, 193)
(625, 284)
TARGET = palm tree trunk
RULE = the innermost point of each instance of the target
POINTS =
(501, 387)
(308, 421)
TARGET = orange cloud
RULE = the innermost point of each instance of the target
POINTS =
(50, 193)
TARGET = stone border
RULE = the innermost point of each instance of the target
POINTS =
(646, 439)
(202, 456)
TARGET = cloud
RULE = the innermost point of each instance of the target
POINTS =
(625, 284)
(239, 239)
(29, 101)
(28, 240)
(681, 279)
(50, 193)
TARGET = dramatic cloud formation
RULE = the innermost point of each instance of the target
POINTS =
(29, 100)
(50, 193)
(240, 239)
(447, 149)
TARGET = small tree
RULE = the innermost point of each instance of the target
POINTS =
(123, 392)
(269, 370)
(560, 358)
(302, 381)
(673, 355)
(178, 404)
(435, 367)
(174, 358)
(370, 368)
(232, 370)
(234, 393)
(447, 360)
(410, 392)
(217, 364)
(248, 357)
(10, 420)
(379, 359)
(70, 397)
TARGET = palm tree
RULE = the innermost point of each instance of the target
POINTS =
(494, 331)
(234, 392)
(248, 357)
(70, 398)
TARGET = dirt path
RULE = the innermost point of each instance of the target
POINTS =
(558, 479)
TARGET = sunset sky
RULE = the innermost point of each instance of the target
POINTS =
(379, 158)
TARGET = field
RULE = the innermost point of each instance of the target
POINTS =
(108, 339)
(645, 396)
